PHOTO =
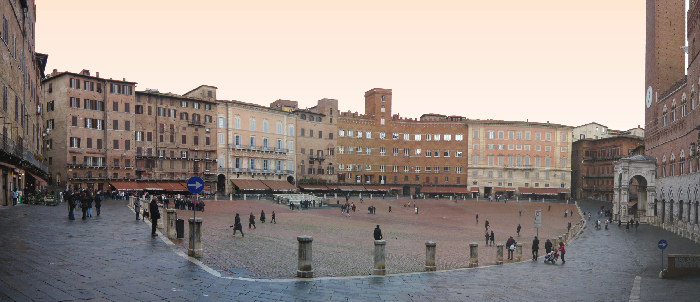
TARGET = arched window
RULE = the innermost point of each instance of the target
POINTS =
(266, 126)
(237, 122)
(252, 124)
(279, 127)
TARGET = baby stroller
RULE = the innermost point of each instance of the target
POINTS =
(551, 257)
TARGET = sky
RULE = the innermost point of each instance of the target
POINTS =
(566, 62)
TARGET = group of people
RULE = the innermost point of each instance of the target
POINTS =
(237, 226)
(548, 248)
(83, 200)
(187, 204)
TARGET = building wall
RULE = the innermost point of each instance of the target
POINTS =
(234, 120)
(21, 69)
(593, 163)
(378, 148)
(176, 137)
(100, 114)
(513, 155)
(317, 134)
(590, 131)
(672, 115)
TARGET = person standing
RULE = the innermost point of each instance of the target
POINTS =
(137, 207)
(535, 248)
(89, 206)
(154, 214)
(492, 238)
(262, 216)
(251, 221)
(548, 246)
(562, 251)
(510, 245)
(273, 218)
(518, 229)
(636, 224)
(237, 226)
(486, 224)
(71, 205)
(486, 235)
(98, 203)
(568, 227)
(477, 217)
(378, 233)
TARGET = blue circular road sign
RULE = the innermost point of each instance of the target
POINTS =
(663, 244)
(195, 184)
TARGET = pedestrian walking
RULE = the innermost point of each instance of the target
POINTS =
(566, 212)
(547, 246)
(549, 207)
(636, 223)
(486, 235)
(378, 233)
(89, 204)
(535, 248)
(98, 203)
(492, 238)
(518, 229)
(520, 212)
(510, 245)
(84, 204)
(251, 221)
(262, 216)
(154, 214)
(274, 220)
(137, 207)
(562, 252)
(389, 209)
(237, 226)
(568, 227)
(477, 217)
(486, 224)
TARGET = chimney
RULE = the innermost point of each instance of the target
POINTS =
(55, 71)
(124, 79)
(97, 74)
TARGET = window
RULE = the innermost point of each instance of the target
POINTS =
(279, 128)
(459, 137)
(49, 124)
(127, 108)
(266, 126)
(475, 160)
(381, 121)
(563, 137)
(127, 145)
(252, 125)
(127, 125)
(75, 142)
(221, 122)
(406, 136)
(139, 136)
(183, 104)
(417, 137)
(184, 139)
(548, 136)
(237, 122)
(74, 103)
(115, 144)
(491, 134)
(221, 138)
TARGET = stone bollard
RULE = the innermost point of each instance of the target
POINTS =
(172, 218)
(245, 196)
(216, 196)
(499, 253)
(379, 257)
(473, 254)
(555, 243)
(161, 223)
(304, 269)
(519, 252)
(430, 256)
(195, 249)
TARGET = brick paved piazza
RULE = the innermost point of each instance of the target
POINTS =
(112, 257)
(343, 246)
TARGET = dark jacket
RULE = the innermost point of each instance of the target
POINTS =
(548, 245)
(98, 201)
(251, 219)
(153, 210)
(377, 234)
(535, 244)
(509, 242)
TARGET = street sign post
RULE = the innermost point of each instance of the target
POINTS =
(662, 246)
(538, 221)
(195, 185)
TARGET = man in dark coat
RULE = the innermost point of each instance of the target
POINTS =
(535, 248)
(518, 229)
(154, 214)
(251, 221)
(492, 238)
(237, 226)
(378, 233)
(548, 246)
(274, 220)
(262, 216)
(84, 204)
(98, 203)
(71, 204)
(510, 243)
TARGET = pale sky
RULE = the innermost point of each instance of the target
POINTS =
(568, 62)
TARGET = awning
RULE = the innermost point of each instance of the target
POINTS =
(126, 185)
(499, 189)
(444, 190)
(632, 203)
(543, 191)
(314, 187)
(382, 188)
(249, 184)
(279, 185)
(474, 189)
(352, 188)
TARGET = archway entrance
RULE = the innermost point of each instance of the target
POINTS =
(221, 183)
(637, 197)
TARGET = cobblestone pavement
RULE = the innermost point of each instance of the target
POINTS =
(343, 246)
(113, 257)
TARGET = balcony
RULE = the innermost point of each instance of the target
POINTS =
(195, 123)
(86, 166)
(17, 152)
(317, 157)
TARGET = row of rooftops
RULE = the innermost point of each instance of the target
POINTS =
(291, 107)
